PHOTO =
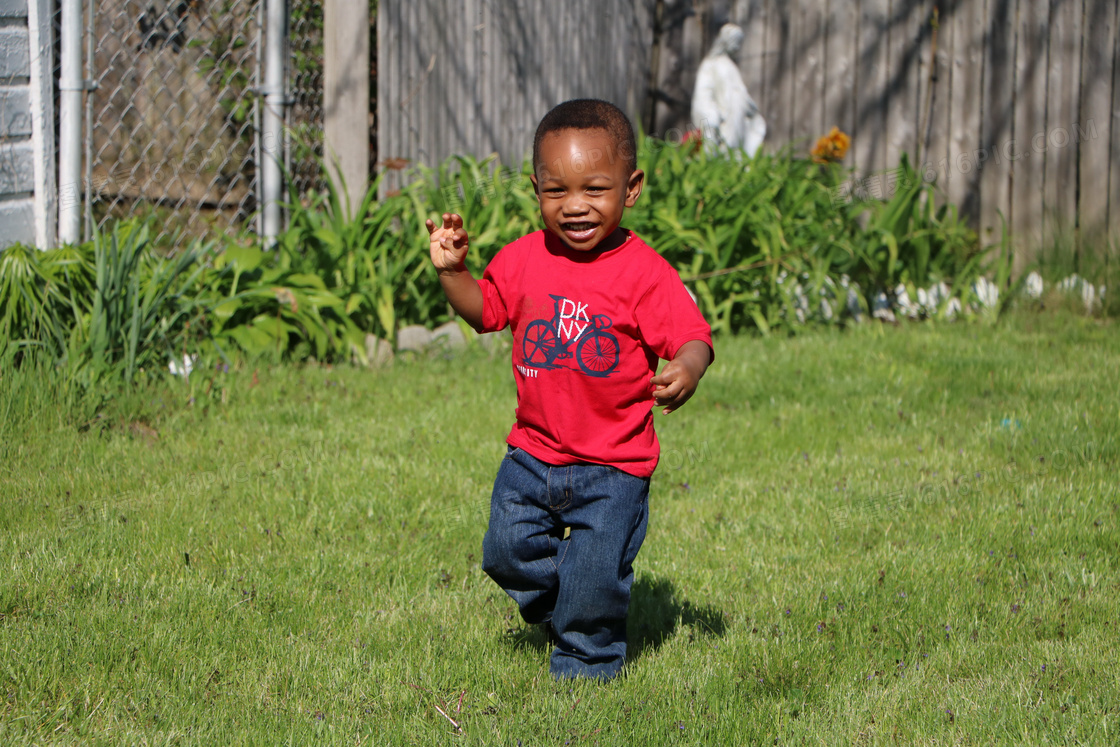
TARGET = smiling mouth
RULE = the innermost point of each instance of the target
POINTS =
(578, 227)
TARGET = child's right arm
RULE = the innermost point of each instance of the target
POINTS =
(449, 245)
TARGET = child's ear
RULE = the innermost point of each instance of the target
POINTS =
(536, 188)
(634, 187)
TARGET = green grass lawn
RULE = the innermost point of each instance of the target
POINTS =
(887, 535)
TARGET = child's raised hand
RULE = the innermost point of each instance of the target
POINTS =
(448, 242)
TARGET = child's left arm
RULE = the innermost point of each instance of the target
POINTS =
(677, 382)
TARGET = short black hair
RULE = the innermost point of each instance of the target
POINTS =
(591, 114)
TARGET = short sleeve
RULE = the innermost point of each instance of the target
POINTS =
(495, 317)
(668, 317)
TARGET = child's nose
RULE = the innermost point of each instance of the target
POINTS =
(575, 205)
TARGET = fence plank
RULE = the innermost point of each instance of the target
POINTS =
(777, 107)
(999, 106)
(963, 180)
(841, 54)
(475, 73)
(869, 138)
(1095, 119)
(670, 108)
(936, 117)
(767, 56)
(439, 86)
(751, 16)
(515, 99)
(1030, 111)
(433, 84)
(923, 25)
(1063, 104)
(404, 81)
(807, 29)
(387, 94)
(903, 87)
(1114, 155)
(694, 46)
(346, 98)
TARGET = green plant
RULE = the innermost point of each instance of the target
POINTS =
(29, 304)
(763, 243)
(335, 274)
(497, 203)
(911, 241)
(267, 307)
(141, 304)
(736, 230)
(372, 260)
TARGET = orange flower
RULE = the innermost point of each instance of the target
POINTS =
(693, 140)
(831, 147)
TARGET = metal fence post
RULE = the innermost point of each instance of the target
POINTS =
(70, 87)
(272, 132)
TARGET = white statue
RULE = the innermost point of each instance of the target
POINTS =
(721, 107)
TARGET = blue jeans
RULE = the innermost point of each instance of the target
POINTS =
(581, 583)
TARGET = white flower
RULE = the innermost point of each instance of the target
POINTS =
(939, 293)
(881, 307)
(903, 302)
(1033, 288)
(986, 292)
(952, 308)
(1076, 284)
(1088, 295)
(800, 302)
(1072, 283)
(183, 369)
(852, 303)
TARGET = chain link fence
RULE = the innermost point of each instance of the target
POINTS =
(305, 113)
(172, 117)
(173, 112)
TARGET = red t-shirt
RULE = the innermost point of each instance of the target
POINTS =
(588, 329)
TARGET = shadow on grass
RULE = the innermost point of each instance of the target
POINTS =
(656, 612)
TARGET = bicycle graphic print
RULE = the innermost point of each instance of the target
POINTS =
(594, 348)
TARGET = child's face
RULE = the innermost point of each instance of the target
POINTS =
(583, 186)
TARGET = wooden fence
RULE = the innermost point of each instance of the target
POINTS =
(475, 76)
(1013, 106)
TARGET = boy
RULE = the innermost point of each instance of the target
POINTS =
(591, 308)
